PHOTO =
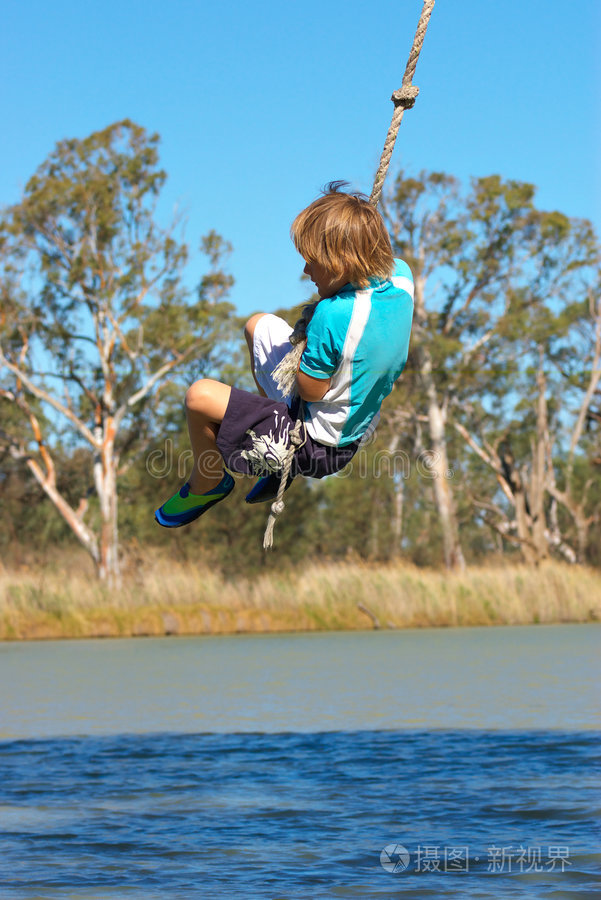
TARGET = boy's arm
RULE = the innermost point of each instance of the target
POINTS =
(319, 359)
(311, 389)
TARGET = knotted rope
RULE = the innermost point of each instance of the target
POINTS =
(296, 439)
(285, 372)
(403, 99)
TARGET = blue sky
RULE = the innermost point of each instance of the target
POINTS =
(260, 104)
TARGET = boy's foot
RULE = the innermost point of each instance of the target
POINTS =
(184, 507)
(266, 489)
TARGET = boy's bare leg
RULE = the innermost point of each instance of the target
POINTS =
(249, 332)
(206, 403)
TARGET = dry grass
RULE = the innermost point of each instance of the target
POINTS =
(161, 597)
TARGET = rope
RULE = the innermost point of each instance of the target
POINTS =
(285, 372)
(403, 99)
(277, 507)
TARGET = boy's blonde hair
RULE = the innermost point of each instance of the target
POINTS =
(346, 235)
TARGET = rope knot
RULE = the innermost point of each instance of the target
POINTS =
(405, 96)
(277, 507)
(297, 439)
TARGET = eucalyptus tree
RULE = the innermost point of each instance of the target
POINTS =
(95, 317)
(538, 448)
(461, 247)
(499, 290)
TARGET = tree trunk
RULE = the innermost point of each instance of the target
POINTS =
(82, 532)
(397, 517)
(398, 483)
(105, 478)
(523, 519)
(374, 526)
(439, 467)
(538, 480)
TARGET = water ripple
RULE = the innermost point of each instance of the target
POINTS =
(299, 815)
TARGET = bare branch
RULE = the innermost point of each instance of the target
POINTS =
(489, 506)
(143, 391)
(469, 351)
(51, 401)
(47, 481)
(73, 517)
(465, 306)
(491, 461)
(132, 354)
(72, 376)
(589, 394)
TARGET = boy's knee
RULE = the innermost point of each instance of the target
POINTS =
(198, 393)
(249, 328)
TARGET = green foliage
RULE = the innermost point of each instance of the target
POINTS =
(94, 305)
(96, 316)
(503, 293)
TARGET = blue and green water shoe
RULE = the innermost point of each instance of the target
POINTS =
(184, 507)
(266, 489)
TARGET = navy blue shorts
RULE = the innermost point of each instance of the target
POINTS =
(254, 436)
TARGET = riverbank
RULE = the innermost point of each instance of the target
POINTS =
(162, 597)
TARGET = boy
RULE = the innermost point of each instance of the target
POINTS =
(357, 345)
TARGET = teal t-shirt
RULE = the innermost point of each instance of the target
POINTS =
(359, 338)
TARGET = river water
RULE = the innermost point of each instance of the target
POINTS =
(419, 763)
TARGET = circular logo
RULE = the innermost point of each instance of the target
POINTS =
(394, 858)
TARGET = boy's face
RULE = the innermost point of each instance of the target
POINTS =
(322, 279)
